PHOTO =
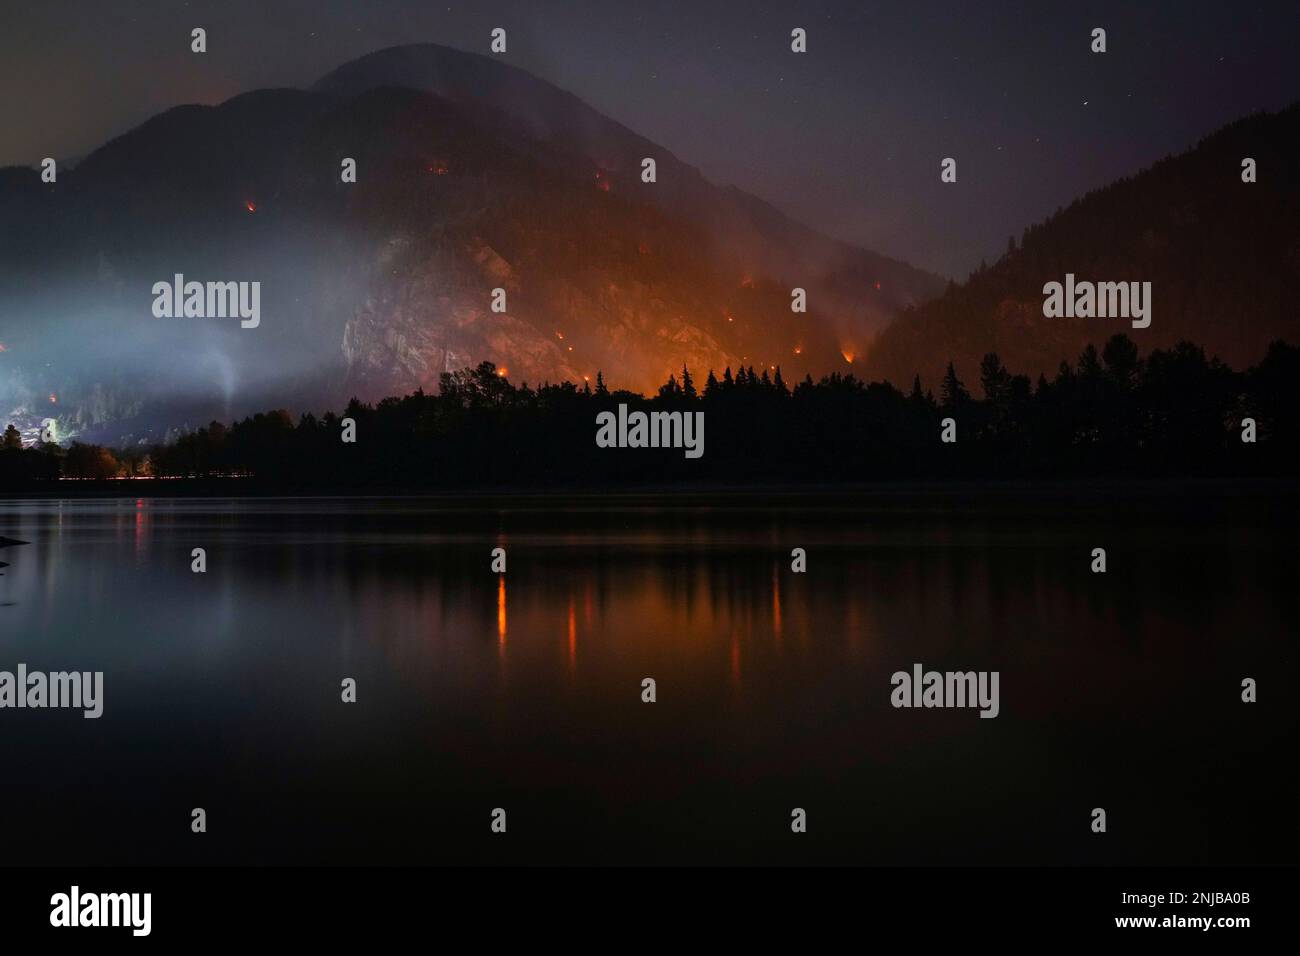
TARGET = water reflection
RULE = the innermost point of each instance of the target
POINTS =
(772, 685)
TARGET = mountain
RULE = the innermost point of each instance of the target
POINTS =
(857, 291)
(1222, 257)
(474, 177)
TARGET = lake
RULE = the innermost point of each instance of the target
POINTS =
(523, 690)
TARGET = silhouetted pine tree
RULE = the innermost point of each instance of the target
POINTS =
(953, 393)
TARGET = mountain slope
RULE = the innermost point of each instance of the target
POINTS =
(372, 288)
(1223, 258)
(471, 176)
(857, 290)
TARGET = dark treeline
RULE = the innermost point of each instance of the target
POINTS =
(1112, 413)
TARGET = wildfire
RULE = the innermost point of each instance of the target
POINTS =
(730, 318)
(559, 335)
(798, 350)
(570, 348)
(848, 356)
(503, 371)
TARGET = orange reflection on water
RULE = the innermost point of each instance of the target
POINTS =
(776, 604)
(735, 660)
(501, 613)
(573, 635)
(141, 530)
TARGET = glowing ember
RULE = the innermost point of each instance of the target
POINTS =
(250, 205)
(798, 350)
(877, 286)
(54, 398)
(604, 186)
(848, 357)
(731, 318)
(502, 371)
(559, 335)
(570, 348)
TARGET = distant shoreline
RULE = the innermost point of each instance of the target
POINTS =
(251, 488)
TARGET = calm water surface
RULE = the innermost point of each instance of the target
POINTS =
(523, 691)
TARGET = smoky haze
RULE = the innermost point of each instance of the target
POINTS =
(474, 176)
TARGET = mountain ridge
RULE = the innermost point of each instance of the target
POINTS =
(389, 278)
(1222, 255)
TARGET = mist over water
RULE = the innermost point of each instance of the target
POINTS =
(477, 690)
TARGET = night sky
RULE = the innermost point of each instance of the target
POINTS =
(847, 138)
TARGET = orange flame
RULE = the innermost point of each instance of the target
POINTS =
(501, 612)
(250, 205)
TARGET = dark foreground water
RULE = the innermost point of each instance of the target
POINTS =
(523, 691)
